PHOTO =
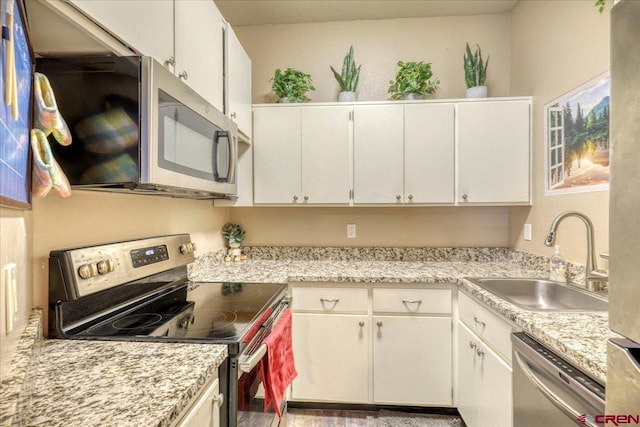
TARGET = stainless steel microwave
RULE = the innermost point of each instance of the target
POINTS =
(136, 127)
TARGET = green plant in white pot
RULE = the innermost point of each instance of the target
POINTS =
(234, 233)
(413, 81)
(291, 85)
(475, 73)
(348, 79)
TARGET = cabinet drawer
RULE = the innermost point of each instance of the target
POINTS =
(407, 301)
(329, 300)
(487, 325)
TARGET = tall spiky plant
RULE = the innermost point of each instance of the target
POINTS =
(475, 70)
(350, 76)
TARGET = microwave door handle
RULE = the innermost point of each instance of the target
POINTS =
(233, 155)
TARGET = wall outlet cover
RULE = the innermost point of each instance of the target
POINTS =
(527, 232)
(351, 231)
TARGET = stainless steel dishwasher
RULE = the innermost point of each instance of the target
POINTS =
(548, 391)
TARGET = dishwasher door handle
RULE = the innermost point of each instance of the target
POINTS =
(548, 393)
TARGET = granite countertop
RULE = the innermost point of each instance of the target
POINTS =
(106, 383)
(580, 337)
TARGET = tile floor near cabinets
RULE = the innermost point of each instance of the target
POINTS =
(384, 418)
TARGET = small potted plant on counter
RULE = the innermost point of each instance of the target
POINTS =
(349, 78)
(413, 81)
(234, 234)
(291, 85)
(475, 73)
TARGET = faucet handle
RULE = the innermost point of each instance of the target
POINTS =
(604, 255)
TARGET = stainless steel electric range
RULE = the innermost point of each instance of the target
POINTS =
(138, 290)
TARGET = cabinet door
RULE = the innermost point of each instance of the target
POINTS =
(326, 155)
(378, 154)
(468, 388)
(239, 83)
(429, 153)
(276, 155)
(145, 25)
(493, 152)
(412, 360)
(199, 41)
(331, 357)
(206, 410)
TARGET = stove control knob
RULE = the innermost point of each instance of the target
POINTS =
(193, 246)
(105, 266)
(184, 248)
(85, 271)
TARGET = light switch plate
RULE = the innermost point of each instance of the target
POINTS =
(351, 231)
(527, 232)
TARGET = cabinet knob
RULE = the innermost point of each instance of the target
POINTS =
(480, 352)
(398, 197)
(410, 196)
(361, 323)
(233, 115)
(472, 344)
(170, 61)
(295, 198)
(465, 197)
(217, 399)
(183, 75)
(306, 198)
(379, 323)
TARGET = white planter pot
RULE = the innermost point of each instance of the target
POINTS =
(284, 100)
(477, 92)
(413, 96)
(347, 97)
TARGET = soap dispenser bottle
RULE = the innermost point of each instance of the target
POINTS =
(558, 267)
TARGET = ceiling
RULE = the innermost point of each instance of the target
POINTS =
(263, 12)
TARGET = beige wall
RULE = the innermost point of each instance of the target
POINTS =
(378, 46)
(390, 227)
(557, 46)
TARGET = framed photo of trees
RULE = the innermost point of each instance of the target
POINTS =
(577, 139)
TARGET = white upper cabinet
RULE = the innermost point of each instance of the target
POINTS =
(199, 50)
(494, 152)
(326, 155)
(154, 38)
(429, 140)
(276, 154)
(238, 84)
(378, 154)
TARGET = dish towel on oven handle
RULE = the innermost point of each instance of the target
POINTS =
(278, 367)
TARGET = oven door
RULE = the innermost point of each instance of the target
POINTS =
(186, 142)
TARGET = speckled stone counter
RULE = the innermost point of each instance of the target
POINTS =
(580, 337)
(104, 383)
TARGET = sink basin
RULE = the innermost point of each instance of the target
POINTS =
(542, 294)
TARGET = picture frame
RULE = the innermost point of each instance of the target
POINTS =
(16, 106)
(577, 139)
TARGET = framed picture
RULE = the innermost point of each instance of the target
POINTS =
(16, 107)
(576, 129)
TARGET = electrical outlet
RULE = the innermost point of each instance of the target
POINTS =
(9, 282)
(351, 231)
(527, 232)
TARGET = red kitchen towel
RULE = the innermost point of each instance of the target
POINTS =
(278, 367)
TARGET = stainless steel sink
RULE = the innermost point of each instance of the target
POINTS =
(542, 294)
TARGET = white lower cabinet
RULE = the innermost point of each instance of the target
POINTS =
(205, 410)
(372, 344)
(331, 354)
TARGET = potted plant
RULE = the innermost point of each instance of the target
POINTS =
(475, 73)
(291, 85)
(349, 78)
(413, 81)
(234, 233)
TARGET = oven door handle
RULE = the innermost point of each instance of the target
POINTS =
(247, 364)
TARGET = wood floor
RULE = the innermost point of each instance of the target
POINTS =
(297, 417)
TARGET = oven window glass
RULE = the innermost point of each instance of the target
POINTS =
(251, 401)
(186, 139)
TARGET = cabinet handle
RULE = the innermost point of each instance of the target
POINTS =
(170, 61)
(480, 352)
(217, 399)
(472, 344)
(398, 197)
(306, 198)
(335, 301)
(379, 323)
(361, 323)
(465, 197)
(233, 115)
(475, 318)
(418, 301)
(295, 198)
(183, 75)
(410, 196)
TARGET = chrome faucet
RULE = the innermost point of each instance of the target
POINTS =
(595, 279)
